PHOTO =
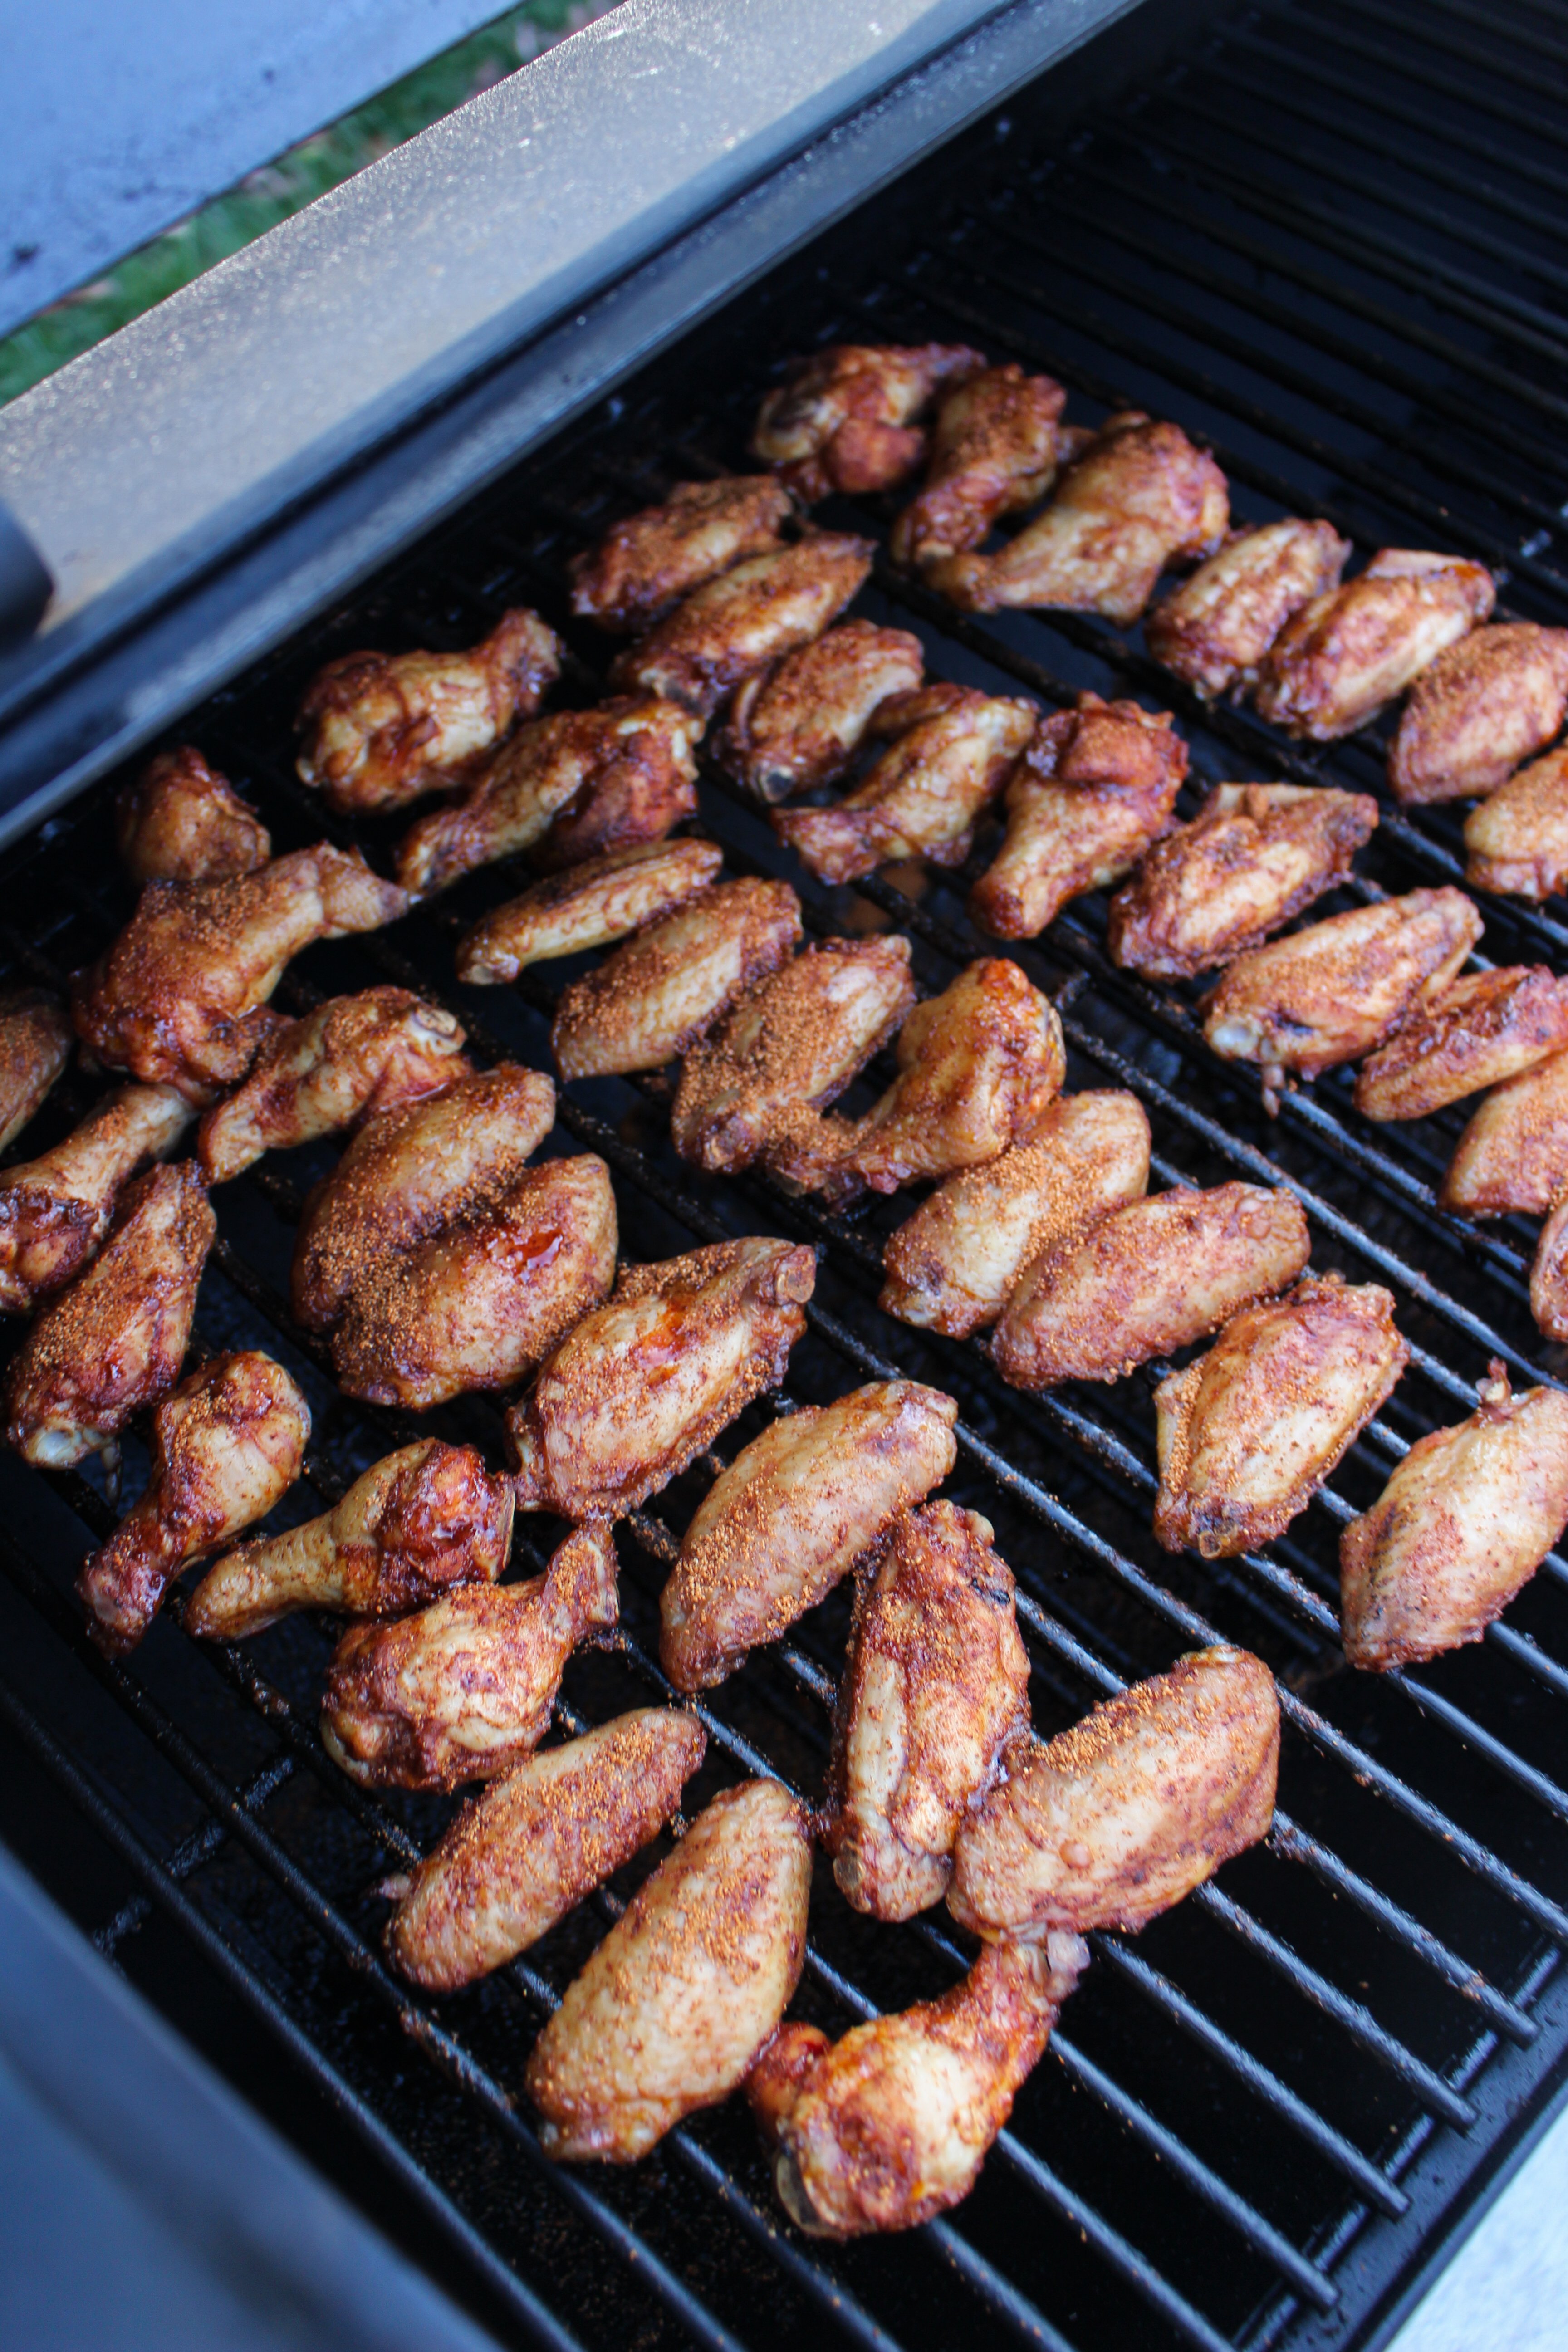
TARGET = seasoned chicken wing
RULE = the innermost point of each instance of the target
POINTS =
(113, 1341)
(536, 1841)
(1096, 786)
(179, 998)
(588, 906)
(670, 2012)
(227, 1444)
(1342, 656)
(55, 1210)
(1110, 1823)
(1148, 1279)
(465, 1689)
(381, 729)
(180, 821)
(1513, 1155)
(846, 419)
(648, 563)
(1518, 839)
(790, 1515)
(1483, 1028)
(1549, 1274)
(654, 997)
(1248, 1435)
(1493, 699)
(639, 1390)
(1216, 628)
(995, 447)
(1139, 497)
(736, 625)
(427, 1517)
(35, 1046)
(801, 722)
(1254, 856)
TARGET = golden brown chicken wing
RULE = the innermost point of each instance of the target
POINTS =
(588, 906)
(1483, 1028)
(995, 447)
(1518, 839)
(1493, 699)
(180, 821)
(736, 625)
(801, 722)
(846, 418)
(1339, 659)
(1214, 629)
(1549, 1274)
(648, 563)
(55, 1210)
(35, 1046)
(1513, 1154)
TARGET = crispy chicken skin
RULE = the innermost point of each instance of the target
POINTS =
(1248, 1435)
(1148, 1279)
(479, 1303)
(648, 563)
(1462, 1525)
(1140, 497)
(381, 729)
(536, 1841)
(1518, 839)
(428, 1516)
(1214, 629)
(846, 418)
(113, 1340)
(1254, 856)
(994, 448)
(1513, 1155)
(227, 1444)
(953, 1266)
(801, 722)
(642, 1387)
(181, 821)
(953, 750)
(1332, 992)
(35, 1046)
(1342, 656)
(1482, 1029)
(55, 1209)
(351, 1057)
(1110, 1823)
(937, 1678)
(179, 998)
(1548, 1275)
(465, 1689)
(736, 625)
(672, 2009)
(790, 1515)
(1096, 786)
(1495, 698)
(656, 995)
(588, 906)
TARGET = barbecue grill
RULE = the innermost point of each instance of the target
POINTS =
(1322, 240)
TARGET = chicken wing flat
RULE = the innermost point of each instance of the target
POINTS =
(1518, 839)
(1482, 1029)
(995, 447)
(1548, 1275)
(738, 624)
(55, 1210)
(846, 418)
(1332, 992)
(890, 2126)
(427, 1517)
(1248, 1435)
(801, 722)
(1096, 786)
(381, 729)
(536, 1841)
(1254, 856)
(35, 1046)
(790, 1515)
(1495, 698)
(654, 997)
(180, 821)
(648, 563)
(227, 1444)
(1513, 1155)
(954, 1264)
(1342, 656)
(178, 999)
(1214, 629)
(1461, 1527)
(465, 1689)
(1148, 1279)
(588, 906)
(113, 1340)
(1110, 1823)
(670, 2012)
(1139, 497)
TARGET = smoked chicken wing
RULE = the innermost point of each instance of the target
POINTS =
(35, 1046)
(1513, 1154)
(1549, 1273)
(846, 419)
(655, 996)
(1342, 656)
(55, 1209)
(588, 906)
(736, 625)
(1214, 629)
(1496, 698)
(995, 447)
(1518, 839)
(1482, 1029)
(180, 821)
(801, 722)
(648, 563)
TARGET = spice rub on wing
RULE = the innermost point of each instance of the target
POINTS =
(847, 418)
(648, 563)
(1495, 698)
(55, 1209)
(1513, 1154)
(588, 906)
(35, 1045)
(1214, 629)
(181, 821)
(728, 630)
(1484, 1027)
(1517, 840)
(801, 722)
(994, 448)
(1342, 656)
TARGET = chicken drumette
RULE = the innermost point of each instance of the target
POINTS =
(1518, 839)
(846, 418)
(1513, 1154)
(736, 625)
(1495, 698)
(995, 447)
(35, 1046)
(180, 821)
(648, 563)
(1214, 629)
(1342, 656)
(655, 996)
(801, 722)
(55, 1209)
(1482, 1029)
(588, 906)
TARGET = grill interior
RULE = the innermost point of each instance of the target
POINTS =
(1324, 244)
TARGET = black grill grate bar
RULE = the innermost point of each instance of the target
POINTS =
(192, 1852)
(1492, 56)
(1541, 45)
(1407, 66)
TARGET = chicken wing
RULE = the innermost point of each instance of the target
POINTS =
(801, 722)
(1548, 1275)
(427, 1517)
(1496, 698)
(656, 996)
(1248, 1435)
(846, 419)
(1518, 839)
(1214, 629)
(790, 1515)
(178, 999)
(954, 1264)
(180, 821)
(55, 1210)
(736, 625)
(1148, 1279)
(1513, 1155)
(639, 1390)
(995, 447)
(113, 1341)
(35, 1046)
(671, 2010)
(588, 906)
(1342, 656)
(381, 729)
(1139, 497)
(526, 1851)
(465, 1689)
(648, 563)
(1254, 856)
(1484, 1028)
(1110, 1823)
(1096, 786)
